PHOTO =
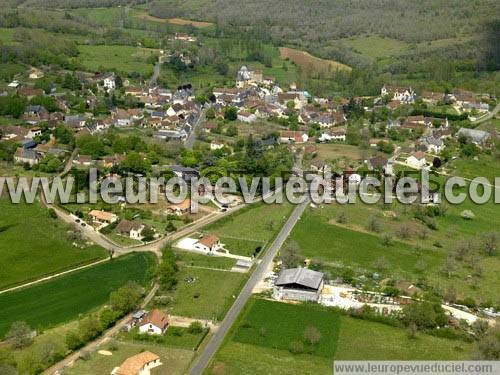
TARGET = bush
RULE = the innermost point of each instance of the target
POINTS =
(195, 328)
(296, 347)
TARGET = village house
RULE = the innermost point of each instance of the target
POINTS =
(247, 117)
(399, 93)
(416, 160)
(180, 209)
(476, 136)
(154, 323)
(33, 114)
(247, 77)
(334, 134)
(102, 217)
(432, 97)
(139, 364)
(35, 73)
(184, 37)
(83, 160)
(291, 136)
(433, 144)
(297, 98)
(109, 82)
(131, 229)
(216, 145)
(298, 284)
(25, 155)
(134, 91)
(75, 121)
(209, 243)
(377, 163)
(122, 117)
(186, 173)
(29, 92)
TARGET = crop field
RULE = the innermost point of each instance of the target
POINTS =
(351, 339)
(33, 245)
(206, 294)
(311, 63)
(64, 298)
(125, 59)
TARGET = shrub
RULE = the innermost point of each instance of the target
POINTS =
(296, 347)
(195, 328)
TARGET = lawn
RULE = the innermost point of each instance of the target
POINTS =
(188, 259)
(124, 59)
(257, 223)
(205, 294)
(175, 361)
(177, 337)
(240, 246)
(253, 351)
(64, 298)
(276, 325)
(33, 245)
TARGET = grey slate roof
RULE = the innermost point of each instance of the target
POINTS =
(475, 135)
(300, 276)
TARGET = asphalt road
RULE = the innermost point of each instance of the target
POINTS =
(191, 139)
(213, 345)
(489, 116)
(156, 74)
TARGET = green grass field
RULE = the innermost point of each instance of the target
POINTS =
(176, 337)
(486, 166)
(321, 237)
(335, 244)
(364, 340)
(188, 259)
(276, 325)
(125, 59)
(64, 298)
(374, 47)
(258, 223)
(33, 245)
(209, 296)
(175, 361)
(6, 35)
(246, 351)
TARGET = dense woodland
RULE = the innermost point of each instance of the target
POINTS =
(466, 53)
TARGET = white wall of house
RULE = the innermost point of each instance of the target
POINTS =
(150, 329)
(413, 162)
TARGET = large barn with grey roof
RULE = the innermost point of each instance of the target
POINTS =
(299, 284)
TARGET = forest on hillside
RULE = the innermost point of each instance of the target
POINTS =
(411, 21)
